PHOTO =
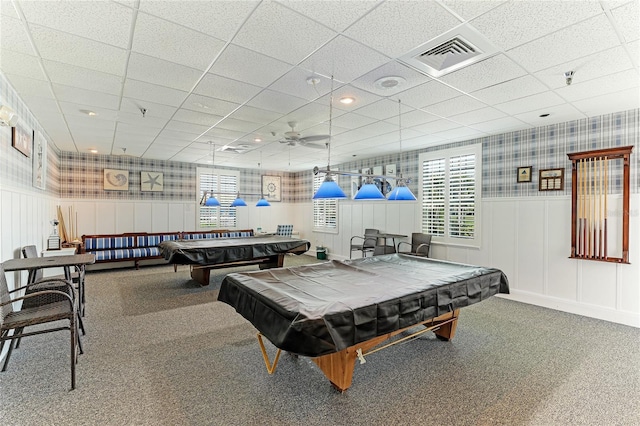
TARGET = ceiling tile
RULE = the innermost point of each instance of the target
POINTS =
(626, 19)
(345, 59)
(20, 64)
(413, 117)
(29, 86)
(161, 72)
(196, 117)
(275, 101)
(80, 110)
(209, 105)
(134, 123)
(426, 94)
(13, 35)
(284, 24)
(166, 40)
(86, 97)
(161, 152)
(406, 21)
(488, 72)
(181, 126)
(70, 49)
(225, 134)
(604, 104)
(295, 83)
(587, 68)
(238, 125)
(436, 126)
(84, 78)
(515, 23)
(380, 110)
(103, 21)
(629, 79)
(454, 106)
(510, 90)
(42, 107)
(256, 115)
(219, 87)
(501, 125)
(227, 16)
(133, 106)
(352, 121)
(86, 124)
(592, 35)
(531, 103)
(392, 69)
(251, 67)
(459, 134)
(339, 17)
(468, 10)
(175, 135)
(153, 93)
(477, 116)
(557, 114)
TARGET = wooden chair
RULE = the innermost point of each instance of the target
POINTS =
(44, 303)
(419, 245)
(365, 244)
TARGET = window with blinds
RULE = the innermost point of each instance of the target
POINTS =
(224, 185)
(325, 212)
(450, 193)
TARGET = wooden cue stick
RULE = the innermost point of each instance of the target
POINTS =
(580, 208)
(596, 208)
(601, 203)
(606, 189)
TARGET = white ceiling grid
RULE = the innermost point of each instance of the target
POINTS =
(232, 72)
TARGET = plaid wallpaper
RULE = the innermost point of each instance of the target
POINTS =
(80, 175)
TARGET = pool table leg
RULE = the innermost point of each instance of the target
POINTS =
(448, 331)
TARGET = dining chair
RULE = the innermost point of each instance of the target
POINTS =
(365, 244)
(419, 246)
(44, 303)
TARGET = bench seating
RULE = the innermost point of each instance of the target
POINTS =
(137, 246)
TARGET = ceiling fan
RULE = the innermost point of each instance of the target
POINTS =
(294, 138)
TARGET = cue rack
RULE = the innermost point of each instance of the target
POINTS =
(590, 177)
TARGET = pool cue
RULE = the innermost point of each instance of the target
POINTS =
(606, 189)
(601, 204)
(580, 208)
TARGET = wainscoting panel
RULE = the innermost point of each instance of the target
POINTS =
(125, 214)
(143, 216)
(106, 213)
(530, 245)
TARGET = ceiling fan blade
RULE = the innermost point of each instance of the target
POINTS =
(311, 145)
(314, 138)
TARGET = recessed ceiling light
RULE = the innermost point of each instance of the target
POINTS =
(89, 113)
(347, 100)
(389, 82)
(313, 80)
(257, 140)
(544, 115)
(93, 151)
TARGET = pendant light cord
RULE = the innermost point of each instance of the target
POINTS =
(330, 125)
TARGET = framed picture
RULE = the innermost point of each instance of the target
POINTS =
(22, 139)
(271, 188)
(524, 174)
(39, 160)
(151, 181)
(116, 180)
(551, 180)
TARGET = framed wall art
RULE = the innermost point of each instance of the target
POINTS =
(524, 174)
(271, 188)
(39, 160)
(22, 139)
(551, 180)
(151, 181)
(116, 180)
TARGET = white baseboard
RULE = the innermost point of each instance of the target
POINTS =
(607, 314)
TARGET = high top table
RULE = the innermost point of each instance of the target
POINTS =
(76, 260)
(384, 248)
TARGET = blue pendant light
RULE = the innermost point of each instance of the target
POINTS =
(212, 202)
(238, 202)
(401, 192)
(369, 191)
(262, 202)
(329, 188)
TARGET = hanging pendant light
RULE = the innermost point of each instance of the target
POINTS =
(329, 188)
(401, 192)
(369, 191)
(212, 201)
(238, 202)
(262, 202)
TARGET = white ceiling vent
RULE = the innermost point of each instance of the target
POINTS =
(239, 149)
(450, 51)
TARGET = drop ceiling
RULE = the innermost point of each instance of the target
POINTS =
(236, 72)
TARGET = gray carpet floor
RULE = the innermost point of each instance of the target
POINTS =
(160, 350)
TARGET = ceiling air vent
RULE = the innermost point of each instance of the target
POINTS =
(449, 52)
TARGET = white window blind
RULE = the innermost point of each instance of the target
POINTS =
(450, 193)
(325, 211)
(224, 186)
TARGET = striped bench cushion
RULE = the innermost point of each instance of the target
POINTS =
(108, 243)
